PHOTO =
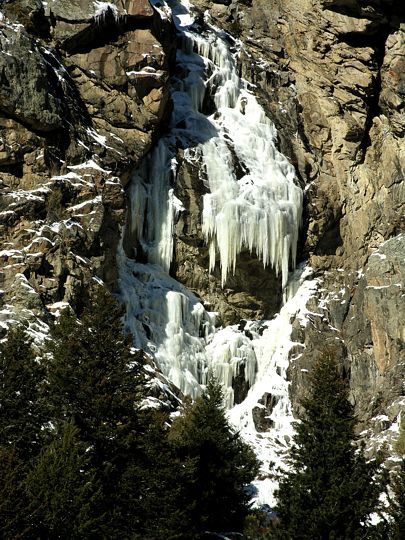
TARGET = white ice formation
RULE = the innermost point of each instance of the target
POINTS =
(257, 209)
(102, 8)
(261, 209)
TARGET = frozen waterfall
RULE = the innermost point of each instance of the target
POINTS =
(217, 121)
(258, 210)
(153, 206)
(261, 210)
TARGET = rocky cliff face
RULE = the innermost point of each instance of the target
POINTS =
(83, 96)
(331, 75)
(83, 93)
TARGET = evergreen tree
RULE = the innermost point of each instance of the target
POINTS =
(21, 410)
(156, 486)
(93, 376)
(94, 380)
(223, 463)
(331, 490)
(62, 491)
(21, 419)
(400, 443)
(397, 502)
(13, 502)
(258, 525)
(397, 506)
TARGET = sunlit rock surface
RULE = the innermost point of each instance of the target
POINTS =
(76, 117)
(194, 217)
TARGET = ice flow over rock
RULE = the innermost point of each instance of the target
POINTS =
(259, 210)
(217, 121)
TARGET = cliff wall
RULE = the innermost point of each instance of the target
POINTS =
(83, 96)
(331, 75)
(83, 93)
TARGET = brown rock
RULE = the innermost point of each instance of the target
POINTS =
(252, 291)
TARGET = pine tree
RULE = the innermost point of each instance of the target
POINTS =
(397, 506)
(93, 375)
(62, 490)
(13, 502)
(94, 380)
(156, 486)
(224, 464)
(21, 409)
(22, 416)
(331, 490)
(397, 502)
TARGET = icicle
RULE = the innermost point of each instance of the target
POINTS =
(152, 205)
(230, 351)
(259, 211)
(181, 355)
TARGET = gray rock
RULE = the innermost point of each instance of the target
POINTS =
(29, 85)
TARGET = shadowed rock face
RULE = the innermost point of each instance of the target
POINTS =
(83, 93)
(28, 86)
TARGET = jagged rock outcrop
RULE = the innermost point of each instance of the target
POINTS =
(83, 92)
(331, 75)
(359, 317)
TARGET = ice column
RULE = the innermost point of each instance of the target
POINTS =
(152, 205)
(259, 210)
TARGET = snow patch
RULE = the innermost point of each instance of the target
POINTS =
(90, 164)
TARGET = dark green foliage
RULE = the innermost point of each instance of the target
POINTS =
(330, 490)
(397, 507)
(258, 525)
(93, 380)
(93, 377)
(80, 458)
(164, 482)
(21, 418)
(13, 501)
(63, 491)
(21, 409)
(224, 464)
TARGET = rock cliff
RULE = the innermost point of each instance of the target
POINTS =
(331, 74)
(84, 94)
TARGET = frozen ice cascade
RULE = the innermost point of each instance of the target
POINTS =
(258, 209)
